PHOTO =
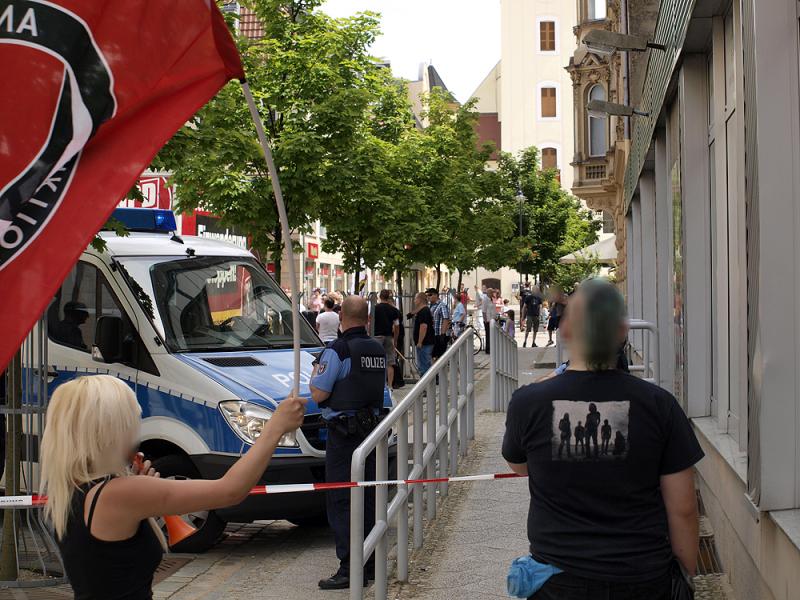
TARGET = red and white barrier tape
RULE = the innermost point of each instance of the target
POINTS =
(319, 487)
(292, 488)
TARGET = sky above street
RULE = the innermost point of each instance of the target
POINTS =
(461, 38)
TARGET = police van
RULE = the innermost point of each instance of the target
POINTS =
(203, 335)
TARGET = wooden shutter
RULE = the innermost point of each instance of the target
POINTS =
(549, 158)
(547, 36)
(548, 102)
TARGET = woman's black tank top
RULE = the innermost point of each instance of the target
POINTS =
(99, 570)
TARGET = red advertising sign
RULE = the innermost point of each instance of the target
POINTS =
(325, 270)
(155, 191)
(312, 251)
(102, 105)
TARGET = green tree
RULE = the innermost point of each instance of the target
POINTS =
(568, 276)
(461, 213)
(553, 223)
(375, 189)
(312, 78)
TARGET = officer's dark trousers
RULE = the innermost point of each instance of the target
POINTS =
(339, 453)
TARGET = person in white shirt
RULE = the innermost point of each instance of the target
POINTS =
(328, 322)
(488, 312)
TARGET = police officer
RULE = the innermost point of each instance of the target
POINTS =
(348, 385)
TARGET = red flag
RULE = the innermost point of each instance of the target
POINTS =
(91, 90)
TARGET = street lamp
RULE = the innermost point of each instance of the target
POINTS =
(600, 108)
(605, 43)
(521, 203)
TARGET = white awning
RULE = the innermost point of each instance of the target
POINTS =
(604, 251)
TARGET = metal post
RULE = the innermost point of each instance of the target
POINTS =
(493, 363)
(381, 516)
(357, 532)
(443, 410)
(452, 369)
(402, 514)
(419, 446)
(431, 440)
(462, 417)
(471, 380)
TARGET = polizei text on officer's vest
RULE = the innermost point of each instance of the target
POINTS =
(373, 362)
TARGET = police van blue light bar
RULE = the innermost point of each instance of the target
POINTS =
(146, 219)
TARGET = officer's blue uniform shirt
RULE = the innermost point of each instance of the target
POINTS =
(334, 365)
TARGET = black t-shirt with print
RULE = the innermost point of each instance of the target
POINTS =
(596, 444)
(385, 316)
(425, 316)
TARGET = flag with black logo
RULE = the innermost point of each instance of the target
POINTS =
(91, 90)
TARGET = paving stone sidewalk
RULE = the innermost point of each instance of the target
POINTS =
(482, 527)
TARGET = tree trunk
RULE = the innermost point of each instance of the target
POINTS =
(13, 433)
(399, 280)
(460, 281)
(357, 276)
(438, 276)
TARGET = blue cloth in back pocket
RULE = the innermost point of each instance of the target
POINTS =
(526, 576)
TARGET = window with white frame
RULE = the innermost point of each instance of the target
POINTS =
(548, 97)
(598, 125)
(547, 33)
(595, 9)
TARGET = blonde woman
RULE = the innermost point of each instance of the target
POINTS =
(100, 511)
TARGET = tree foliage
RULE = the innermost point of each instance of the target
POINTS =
(549, 221)
(313, 79)
(349, 154)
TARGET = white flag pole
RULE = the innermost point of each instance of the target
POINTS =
(287, 232)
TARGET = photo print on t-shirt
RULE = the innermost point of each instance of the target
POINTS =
(590, 430)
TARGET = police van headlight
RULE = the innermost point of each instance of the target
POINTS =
(248, 421)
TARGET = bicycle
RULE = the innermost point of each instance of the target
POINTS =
(477, 340)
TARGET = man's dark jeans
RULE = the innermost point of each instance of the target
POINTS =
(570, 587)
(340, 450)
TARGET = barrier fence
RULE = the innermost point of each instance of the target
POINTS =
(440, 412)
(647, 366)
(504, 370)
(26, 541)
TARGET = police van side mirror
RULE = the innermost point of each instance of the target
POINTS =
(108, 346)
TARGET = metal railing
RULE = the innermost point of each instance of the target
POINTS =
(650, 359)
(440, 411)
(504, 371)
(26, 540)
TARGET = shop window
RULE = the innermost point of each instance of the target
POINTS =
(548, 105)
(598, 128)
(547, 36)
(549, 158)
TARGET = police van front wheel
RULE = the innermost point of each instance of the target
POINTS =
(207, 524)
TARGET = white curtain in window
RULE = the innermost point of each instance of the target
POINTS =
(597, 9)
(598, 144)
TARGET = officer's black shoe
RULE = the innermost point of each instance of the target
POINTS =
(338, 581)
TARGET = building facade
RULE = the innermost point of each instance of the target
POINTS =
(535, 100)
(710, 201)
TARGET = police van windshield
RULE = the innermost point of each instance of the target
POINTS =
(215, 303)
